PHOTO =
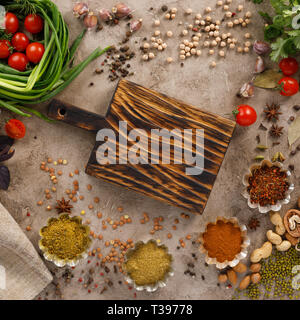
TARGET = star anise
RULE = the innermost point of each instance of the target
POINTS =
(63, 206)
(272, 111)
(276, 131)
(253, 223)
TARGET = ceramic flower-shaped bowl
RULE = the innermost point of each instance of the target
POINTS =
(66, 262)
(277, 206)
(238, 257)
(159, 284)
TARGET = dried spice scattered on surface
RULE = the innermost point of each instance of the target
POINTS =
(267, 185)
(276, 131)
(272, 112)
(253, 223)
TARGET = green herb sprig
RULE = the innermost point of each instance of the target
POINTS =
(53, 73)
(284, 38)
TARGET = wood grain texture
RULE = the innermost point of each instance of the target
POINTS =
(147, 109)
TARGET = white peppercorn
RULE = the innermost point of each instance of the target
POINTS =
(218, 22)
(197, 22)
(199, 52)
(248, 14)
(208, 9)
(220, 3)
(213, 64)
(193, 51)
(156, 23)
(226, 7)
(216, 33)
(160, 48)
(187, 49)
(207, 29)
(167, 16)
(211, 51)
(146, 45)
(145, 57)
(173, 16)
(208, 18)
(228, 14)
(198, 16)
(240, 8)
(159, 41)
(169, 59)
(239, 49)
(195, 38)
(189, 11)
(223, 44)
(218, 39)
(182, 52)
(164, 45)
(184, 32)
(232, 46)
(246, 49)
(206, 43)
(182, 57)
(248, 44)
(195, 43)
(236, 21)
(188, 54)
(186, 42)
(156, 33)
(247, 35)
(202, 22)
(214, 43)
(230, 24)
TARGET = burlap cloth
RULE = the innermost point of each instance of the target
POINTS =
(25, 273)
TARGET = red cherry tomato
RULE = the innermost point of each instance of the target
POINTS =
(5, 49)
(11, 23)
(34, 23)
(20, 41)
(34, 52)
(15, 129)
(288, 86)
(245, 115)
(18, 61)
(288, 66)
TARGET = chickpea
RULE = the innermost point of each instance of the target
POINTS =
(206, 43)
(246, 49)
(228, 14)
(247, 35)
(248, 44)
(219, 3)
(189, 11)
(207, 29)
(212, 26)
(218, 22)
(216, 34)
(159, 41)
(223, 44)
(211, 51)
(232, 46)
(211, 33)
(208, 9)
(174, 10)
(169, 59)
(151, 55)
(226, 7)
(198, 16)
(167, 16)
(230, 24)
(239, 49)
(195, 44)
(193, 51)
(195, 38)
(199, 52)
(208, 18)
(248, 14)
(169, 34)
(160, 48)
(190, 26)
(156, 33)
(197, 22)
(213, 64)
(146, 45)
(240, 8)
(187, 49)
(186, 42)
(236, 21)
(221, 53)
(218, 39)
(188, 54)
(184, 32)
(156, 23)
(182, 52)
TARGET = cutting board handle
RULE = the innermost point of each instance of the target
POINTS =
(74, 116)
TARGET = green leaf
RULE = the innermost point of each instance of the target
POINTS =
(268, 79)
(279, 6)
(282, 48)
(297, 42)
(294, 131)
(272, 32)
(266, 17)
(257, 1)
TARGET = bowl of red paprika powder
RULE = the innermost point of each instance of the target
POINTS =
(224, 242)
(267, 186)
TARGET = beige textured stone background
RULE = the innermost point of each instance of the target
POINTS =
(196, 83)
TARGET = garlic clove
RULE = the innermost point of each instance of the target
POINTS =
(246, 91)
(259, 65)
(90, 21)
(261, 47)
(121, 10)
(135, 25)
(80, 9)
(104, 15)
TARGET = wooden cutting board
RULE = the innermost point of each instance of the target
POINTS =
(148, 109)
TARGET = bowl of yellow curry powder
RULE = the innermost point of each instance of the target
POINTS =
(148, 265)
(65, 240)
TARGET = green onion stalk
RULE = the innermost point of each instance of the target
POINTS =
(53, 73)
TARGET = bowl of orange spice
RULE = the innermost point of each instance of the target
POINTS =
(224, 242)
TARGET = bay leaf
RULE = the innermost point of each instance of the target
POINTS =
(294, 131)
(268, 79)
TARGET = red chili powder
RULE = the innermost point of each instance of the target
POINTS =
(222, 240)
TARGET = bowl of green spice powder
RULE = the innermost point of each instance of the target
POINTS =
(65, 240)
(148, 265)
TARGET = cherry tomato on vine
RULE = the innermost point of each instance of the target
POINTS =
(18, 61)
(288, 86)
(11, 23)
(245, 115)
(34, 23)
(15, 129)
(35, 52)
(5, 49)
(288, 66)
(20, 41)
